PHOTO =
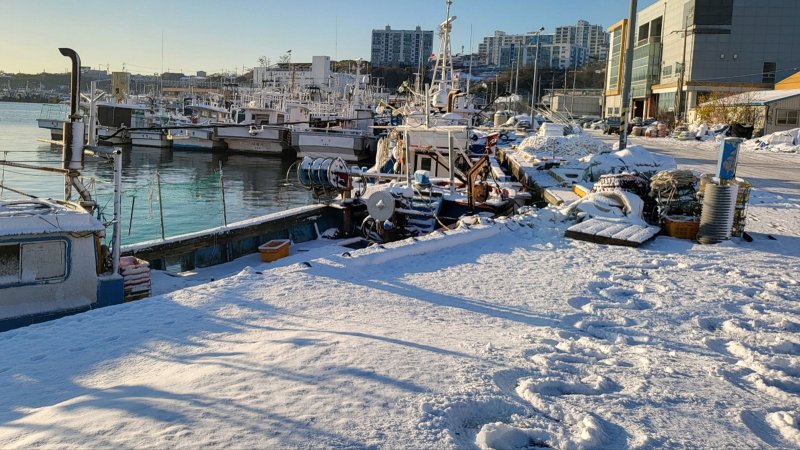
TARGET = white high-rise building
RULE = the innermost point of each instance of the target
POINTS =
(403, 47)
(591, 37)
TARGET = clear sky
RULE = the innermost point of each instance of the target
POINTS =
(225, 35)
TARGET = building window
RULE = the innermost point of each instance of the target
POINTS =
(666, 72)
(768, 74)
(786, 117)
(29, 262)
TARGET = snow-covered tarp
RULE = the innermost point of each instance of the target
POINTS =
(501, 335)
(570, 147)
(633, 158)
(780, 141)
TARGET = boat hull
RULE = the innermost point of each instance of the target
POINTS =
(349, 147)
(55, 126)
(150, 139)
(272, 141)
(196, 139)
(112, 136)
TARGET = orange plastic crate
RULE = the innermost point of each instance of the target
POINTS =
(681, 227)
(274, 250)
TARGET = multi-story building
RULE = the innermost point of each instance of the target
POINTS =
(593, 38)
(569, 46)
(696, 47)
(503, 50)
(401, 47)
(303, 75)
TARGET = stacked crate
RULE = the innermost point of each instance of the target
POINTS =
(136, 277)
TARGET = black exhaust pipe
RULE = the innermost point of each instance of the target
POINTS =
(75, 80)
(74, 133)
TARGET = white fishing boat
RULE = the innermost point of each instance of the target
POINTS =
(150, 126)
(349, 144)
(347, 133)
(52, 118)
(203, 134)
(266, 133)
(49, 262)
(114, 121)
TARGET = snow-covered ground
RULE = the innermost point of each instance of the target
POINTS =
(503, 335)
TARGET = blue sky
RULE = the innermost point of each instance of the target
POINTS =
(229, 35)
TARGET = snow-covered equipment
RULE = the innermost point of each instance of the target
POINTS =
(674, 193)
(398, 213)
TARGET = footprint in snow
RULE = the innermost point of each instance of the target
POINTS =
(579, 302)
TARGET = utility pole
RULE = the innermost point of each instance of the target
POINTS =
(626, 80)
(516, 83)
(535, 86)
(572, 98)
(679, 92)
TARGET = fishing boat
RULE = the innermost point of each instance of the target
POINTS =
(50, 262)
(266, 133)
(342, 131)
(52, 118)
(203, 133)
(114, 121)
(352, 145)
(156, 121)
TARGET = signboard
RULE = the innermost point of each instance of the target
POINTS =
(728, 158)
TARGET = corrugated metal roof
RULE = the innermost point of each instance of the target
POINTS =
(759, 98)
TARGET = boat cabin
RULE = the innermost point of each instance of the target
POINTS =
(49, 262)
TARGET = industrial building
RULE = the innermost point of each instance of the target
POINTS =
(699, 47)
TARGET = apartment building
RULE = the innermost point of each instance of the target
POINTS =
(401, 47)
(568, 46)
(593, 38)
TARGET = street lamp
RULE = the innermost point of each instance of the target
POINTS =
(534, 90)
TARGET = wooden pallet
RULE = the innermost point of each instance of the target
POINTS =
(612, 232)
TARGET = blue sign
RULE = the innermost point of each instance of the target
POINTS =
(728, 158)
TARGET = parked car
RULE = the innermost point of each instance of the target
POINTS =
(596, 125)
(611, 125)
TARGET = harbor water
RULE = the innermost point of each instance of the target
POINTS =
(190, 183)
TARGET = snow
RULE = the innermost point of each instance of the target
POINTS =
(573, 146)
(501, 334)
(32, 217)
(779, 142)
(634, 158)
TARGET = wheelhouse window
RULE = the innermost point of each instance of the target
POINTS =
(31, 262)
(9, 263)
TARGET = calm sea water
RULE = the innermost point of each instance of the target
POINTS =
(190, 182)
